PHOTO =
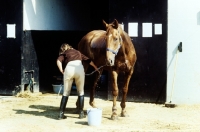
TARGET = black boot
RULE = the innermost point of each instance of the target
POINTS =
(62, 107)
(77, 106)
(81, 105)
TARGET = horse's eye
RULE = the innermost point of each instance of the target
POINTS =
(115, 39)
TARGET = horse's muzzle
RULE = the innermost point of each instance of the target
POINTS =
(110, 62)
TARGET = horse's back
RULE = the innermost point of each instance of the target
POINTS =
(95, 34)
(92, 43)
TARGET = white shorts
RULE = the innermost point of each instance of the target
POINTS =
(74, 71)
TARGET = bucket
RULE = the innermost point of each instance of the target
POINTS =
(94, 116)
(58, 88)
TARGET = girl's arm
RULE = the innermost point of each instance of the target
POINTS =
(95, 67)
(59, 64)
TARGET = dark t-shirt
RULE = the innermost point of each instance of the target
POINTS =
(71, 55)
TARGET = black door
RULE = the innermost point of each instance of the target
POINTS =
(10, 47)
(148, 83)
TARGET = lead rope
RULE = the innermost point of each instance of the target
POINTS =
(94, 70)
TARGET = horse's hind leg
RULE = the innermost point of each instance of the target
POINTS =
(92, 90)
(124, 92)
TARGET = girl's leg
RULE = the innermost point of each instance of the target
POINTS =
(66, 92)
(63, 104)
(80, 80)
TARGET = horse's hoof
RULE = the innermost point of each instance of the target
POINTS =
(114, 117)
(124, 114)
(81, 115)
(93, 105)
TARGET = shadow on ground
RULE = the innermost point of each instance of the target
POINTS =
(47, 111)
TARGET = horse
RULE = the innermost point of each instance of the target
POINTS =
(112, 50)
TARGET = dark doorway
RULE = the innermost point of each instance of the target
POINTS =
(40, 47)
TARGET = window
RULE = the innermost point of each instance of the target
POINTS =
(133, 29)
(146, 29)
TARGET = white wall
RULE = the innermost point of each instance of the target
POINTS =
(56, 15)
(184, 26)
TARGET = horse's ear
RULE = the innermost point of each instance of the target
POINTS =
(105, 24)
(115, 24)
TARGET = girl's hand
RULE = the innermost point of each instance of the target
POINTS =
(62, 71)
(95, 67)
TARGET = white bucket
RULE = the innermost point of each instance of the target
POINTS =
(94, 116)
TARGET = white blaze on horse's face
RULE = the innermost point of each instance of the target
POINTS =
(113, 43)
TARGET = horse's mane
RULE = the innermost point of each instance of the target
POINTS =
(126, 40)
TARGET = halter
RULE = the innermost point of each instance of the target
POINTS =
(114, 52)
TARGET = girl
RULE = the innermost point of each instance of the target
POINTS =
(71, 59)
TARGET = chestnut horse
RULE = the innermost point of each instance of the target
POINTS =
(113, 50)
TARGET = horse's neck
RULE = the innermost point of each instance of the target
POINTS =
(126, 41)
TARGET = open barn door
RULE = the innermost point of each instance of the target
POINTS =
(10, 45)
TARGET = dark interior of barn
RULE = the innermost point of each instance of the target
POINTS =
(38, 49)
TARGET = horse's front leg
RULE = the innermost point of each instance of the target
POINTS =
(124, 92)
(92, 90)
(115, 92)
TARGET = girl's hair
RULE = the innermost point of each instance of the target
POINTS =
(64, 47)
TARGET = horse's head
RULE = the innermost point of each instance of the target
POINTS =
(113, 41)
